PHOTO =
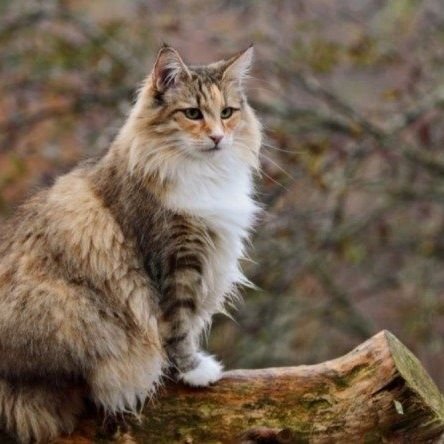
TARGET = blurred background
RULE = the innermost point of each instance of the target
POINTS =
(351, 94)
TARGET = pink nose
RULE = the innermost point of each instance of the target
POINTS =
(216, 139)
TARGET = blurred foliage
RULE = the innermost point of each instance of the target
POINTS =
(351, 95)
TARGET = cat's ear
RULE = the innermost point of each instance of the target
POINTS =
(238, 66)
(169, 69)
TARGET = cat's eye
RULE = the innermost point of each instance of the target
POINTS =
(227, 112)
(193, 113)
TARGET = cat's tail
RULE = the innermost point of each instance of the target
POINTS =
(37, 413)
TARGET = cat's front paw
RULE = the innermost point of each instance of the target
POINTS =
(208, 371)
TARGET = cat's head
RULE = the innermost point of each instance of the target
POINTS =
(197, 113)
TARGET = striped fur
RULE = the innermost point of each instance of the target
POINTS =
(110, 276)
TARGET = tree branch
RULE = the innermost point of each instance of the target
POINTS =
(379, 392)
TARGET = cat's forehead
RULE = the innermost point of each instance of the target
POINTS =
(207, 86)
(209, 74)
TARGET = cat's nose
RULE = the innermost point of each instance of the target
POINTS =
(216, 138)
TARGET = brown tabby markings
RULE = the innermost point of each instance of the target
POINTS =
(110, 276)
(173, 255)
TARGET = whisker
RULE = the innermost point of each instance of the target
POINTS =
(290, 176)
(273, 180)
(266, 145)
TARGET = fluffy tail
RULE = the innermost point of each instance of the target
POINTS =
(37, 413)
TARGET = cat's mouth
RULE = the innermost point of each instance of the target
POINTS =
(212, 149)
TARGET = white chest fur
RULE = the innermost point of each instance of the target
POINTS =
(220, 194)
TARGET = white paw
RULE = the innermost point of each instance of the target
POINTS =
(207, 372)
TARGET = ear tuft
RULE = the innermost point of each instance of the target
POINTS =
(238, 66)
(169, 68)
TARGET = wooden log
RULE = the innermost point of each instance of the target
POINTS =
(378, 392)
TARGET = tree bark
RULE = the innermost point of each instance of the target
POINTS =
(378, 392)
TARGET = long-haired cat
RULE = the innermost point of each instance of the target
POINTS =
(109, 277)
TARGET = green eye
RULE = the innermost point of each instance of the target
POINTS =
(227, 112)
(193, 113)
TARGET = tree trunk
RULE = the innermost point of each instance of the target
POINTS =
(377, 393)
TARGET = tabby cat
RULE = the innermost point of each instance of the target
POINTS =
(109, 277)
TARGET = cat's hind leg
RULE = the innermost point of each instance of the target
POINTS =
(123, 380)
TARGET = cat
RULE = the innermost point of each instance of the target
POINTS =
(109, 277)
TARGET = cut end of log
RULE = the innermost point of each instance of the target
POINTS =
(412, 371)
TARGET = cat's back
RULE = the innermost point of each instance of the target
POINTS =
(34, 218)
(22, 229)
(56, 225)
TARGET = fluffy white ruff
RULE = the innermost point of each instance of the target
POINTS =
(218, 193)
(207, 372)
